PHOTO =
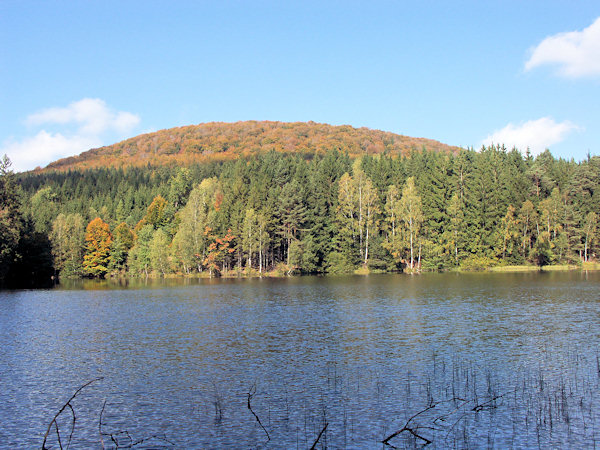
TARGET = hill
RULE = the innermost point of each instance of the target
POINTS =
(225, 141)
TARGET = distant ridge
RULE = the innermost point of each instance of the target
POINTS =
(225, 141)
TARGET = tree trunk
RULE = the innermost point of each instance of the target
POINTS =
(411, 247)
(367, 247)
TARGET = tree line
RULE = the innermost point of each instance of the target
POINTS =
(290, 213)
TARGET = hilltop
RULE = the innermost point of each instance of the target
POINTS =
(226, 141)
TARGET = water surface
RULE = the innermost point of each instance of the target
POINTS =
(360, 354)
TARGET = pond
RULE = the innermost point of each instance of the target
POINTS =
(458, 360)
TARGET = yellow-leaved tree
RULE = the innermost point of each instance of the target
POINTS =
(99, 240)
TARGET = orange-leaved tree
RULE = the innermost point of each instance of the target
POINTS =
(217, 250)
(99, 240)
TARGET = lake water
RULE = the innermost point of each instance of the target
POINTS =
(480, 360)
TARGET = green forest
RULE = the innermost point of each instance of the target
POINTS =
(284, 213)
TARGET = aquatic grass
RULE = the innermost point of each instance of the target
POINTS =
(452, 403)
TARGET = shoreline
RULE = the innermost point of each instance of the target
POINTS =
(589, 266)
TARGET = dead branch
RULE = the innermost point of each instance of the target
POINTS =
(100, 425)
(119, 436)
(251, 393)
(482, 406)
(410, 429)
(73, 420)
(314, 446)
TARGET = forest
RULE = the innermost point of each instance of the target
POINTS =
(284, 213)
(207, 142)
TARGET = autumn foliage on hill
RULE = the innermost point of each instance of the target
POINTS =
(226, 141)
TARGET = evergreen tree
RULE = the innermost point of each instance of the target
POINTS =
(123, 239)
(11, 224)
(292, 214)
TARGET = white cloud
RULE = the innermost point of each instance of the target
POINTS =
(91, 114)
(537, 135)
(81, 125)
(45, 147)
(576, 53)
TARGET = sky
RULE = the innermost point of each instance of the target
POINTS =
(75, 75)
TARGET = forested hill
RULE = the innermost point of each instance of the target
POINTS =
(217, 141)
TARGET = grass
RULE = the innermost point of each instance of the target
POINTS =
(516, 268)
(559, 267)
(590, 265)
(529, 268)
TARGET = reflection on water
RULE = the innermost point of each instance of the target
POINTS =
(500, 360)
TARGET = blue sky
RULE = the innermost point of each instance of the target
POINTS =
(77, 75)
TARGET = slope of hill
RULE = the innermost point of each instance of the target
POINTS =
(222, 141)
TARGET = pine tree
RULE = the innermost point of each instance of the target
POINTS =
(11, 223)
(292, 214)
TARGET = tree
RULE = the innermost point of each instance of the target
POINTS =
(394, 239)
(97, 256)
(44, 209)
(527, 217)
(292, 214)
(542, 249)
(264, 238)
(180, 186)
(218, 250)
(457, 219)
(346, 217)
(371, 209)
(392, 206)
(250, 236)
(11, 223)
(190, 242)
(411, 214)
(159, 252)
(357, 213)
(155, 214)
(123, 239)
(589, 229)
(510, 233)
(68, 240)
(139, 255)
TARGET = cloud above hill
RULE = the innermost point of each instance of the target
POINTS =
(537, 135)
(66, 131)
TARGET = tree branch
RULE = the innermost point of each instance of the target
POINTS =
(65, 406)
(251, 393)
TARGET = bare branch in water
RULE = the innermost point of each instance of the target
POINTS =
(74, 418)
(314, 446)
(412, 430)
(251, 393)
